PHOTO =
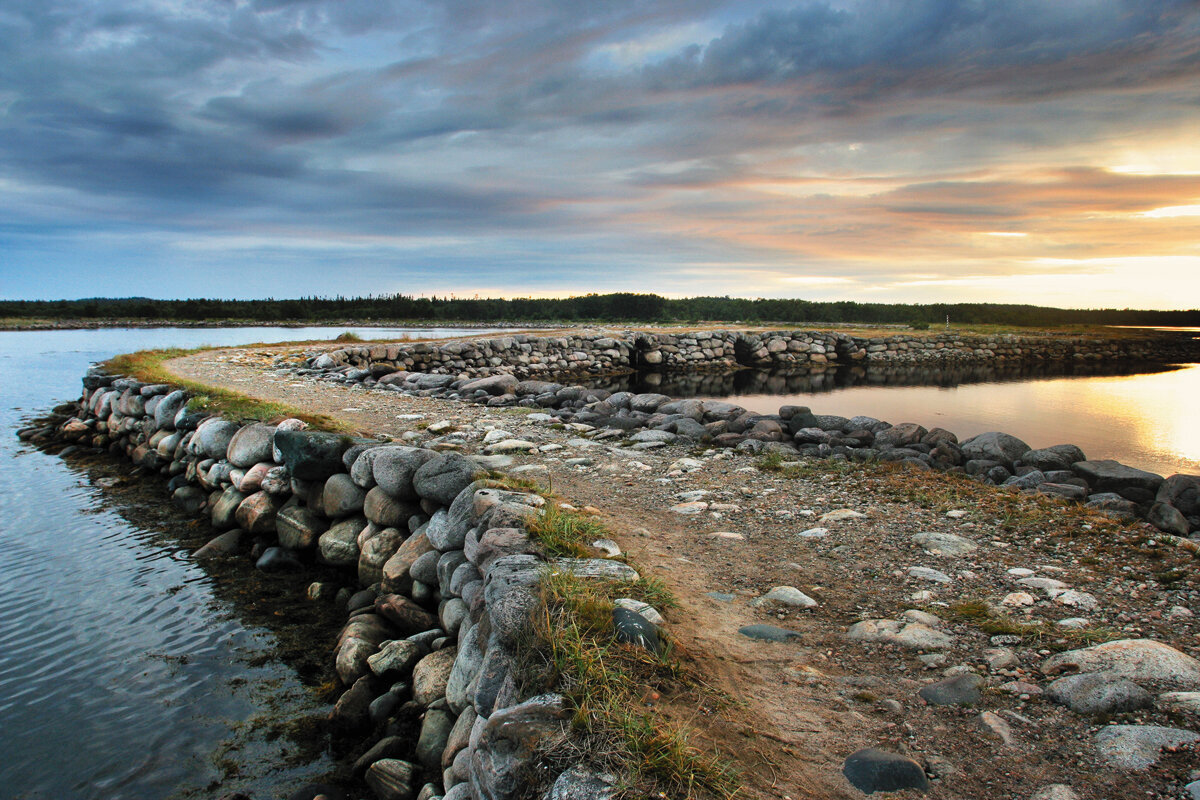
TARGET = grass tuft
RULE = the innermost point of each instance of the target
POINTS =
(606, 682)
(348, 336)
(565, 533)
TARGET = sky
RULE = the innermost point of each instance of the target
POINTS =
(1029, 151)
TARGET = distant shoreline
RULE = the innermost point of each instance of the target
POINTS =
(97, 324)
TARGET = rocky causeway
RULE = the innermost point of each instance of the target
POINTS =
(881, 607)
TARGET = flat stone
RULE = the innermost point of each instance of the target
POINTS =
(1055, 791)
(813, 533)
(912, 635)
(768, 633)
(391, 779)
(840, 515)
(994, 446)
(1143, 661)
(1138, 747)
(1180, 702)
(961, 690)
(785, 595)
(311, 455)
(431, 674)
(945, 544)
(871, 770)
(1094, 693)
(645, 609)
(1112, 476)
(928, 574)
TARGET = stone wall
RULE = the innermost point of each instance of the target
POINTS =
(593, 353)
(439, 578)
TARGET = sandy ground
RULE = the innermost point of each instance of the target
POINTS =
(794, 710)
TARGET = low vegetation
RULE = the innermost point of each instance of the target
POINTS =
(148, 366)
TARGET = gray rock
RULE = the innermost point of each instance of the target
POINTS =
(960, 690)
(1067, 490)
(391, 779)
(1168, 519)
(445, 475)
(1098, 693)
(945, 544)
(493, 385)
(338, 546)
(1060, 456)
(386, 511)
(494, 672)
(452, 614)
(495, 543)
(787, 596)
(509, 739)
(929, 574)
(393, 468)
(298, 528)
(1111, 476)
(424, 569)
(1180, 702)
(431, 674)
(1029, 480)
(311, 455)
(768, 633)
(387, 747)
(353, 658)
(168, 408)
(1181, 492)
(250, 445)
(341, 497)
(213, 436)
(1055, 791)
(594, 568)
(871, 770)
(224, 510)
(435, 732)
(994, 446)
(580, 783)
(914, 635)
(1137, 747)
(632, 628)
(375, 553)
(256, 514)
(1144, 661)
(408, 617)
(508, 572)
(446, 564)
(225, 544)
(276, 559)
(1113, 504)
(467, 664)
(397, 657)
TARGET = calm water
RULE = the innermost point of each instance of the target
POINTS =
(126, 671)
(1143, 416)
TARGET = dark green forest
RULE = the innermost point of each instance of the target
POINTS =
(619, 307)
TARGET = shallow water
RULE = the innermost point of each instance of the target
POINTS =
(1140, 415)
(127, 670)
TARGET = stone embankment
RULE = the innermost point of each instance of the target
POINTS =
(489, 371)
(441, 579)
(585, 353)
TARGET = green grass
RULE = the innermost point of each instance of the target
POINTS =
(574, 650)
(148, 366)
(566, 533)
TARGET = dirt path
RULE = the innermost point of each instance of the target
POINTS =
(800, 707)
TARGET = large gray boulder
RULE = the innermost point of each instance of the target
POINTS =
(1144, 661)
(298, 528)
(251, 445)
(393, 469)
(311, 455)
(492, 384)
(1182, 492)
(1111, 476)
(441, 478)
(994, 446)
(1138, 747)
(1060, 456)
(339, 545)
(213, 436)
(1094, 693)
(168, 408)
(341, 496)
(508, 741)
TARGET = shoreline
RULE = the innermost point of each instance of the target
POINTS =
(706, 625)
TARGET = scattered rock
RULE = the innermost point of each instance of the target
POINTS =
(768, 633)
(871, 770)
(961, 690)
(1143, 661)
(1094, 693)
(1137, 747)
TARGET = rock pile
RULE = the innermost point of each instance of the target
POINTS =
(442, 579)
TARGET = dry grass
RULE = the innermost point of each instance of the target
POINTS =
(573, 651)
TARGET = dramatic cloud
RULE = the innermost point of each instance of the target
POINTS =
(930, 149)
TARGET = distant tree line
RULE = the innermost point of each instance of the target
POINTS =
(618, 307)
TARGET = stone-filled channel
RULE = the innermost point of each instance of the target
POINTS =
(127, 670)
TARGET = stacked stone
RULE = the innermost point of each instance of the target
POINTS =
(586, 354)
(447, 578)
